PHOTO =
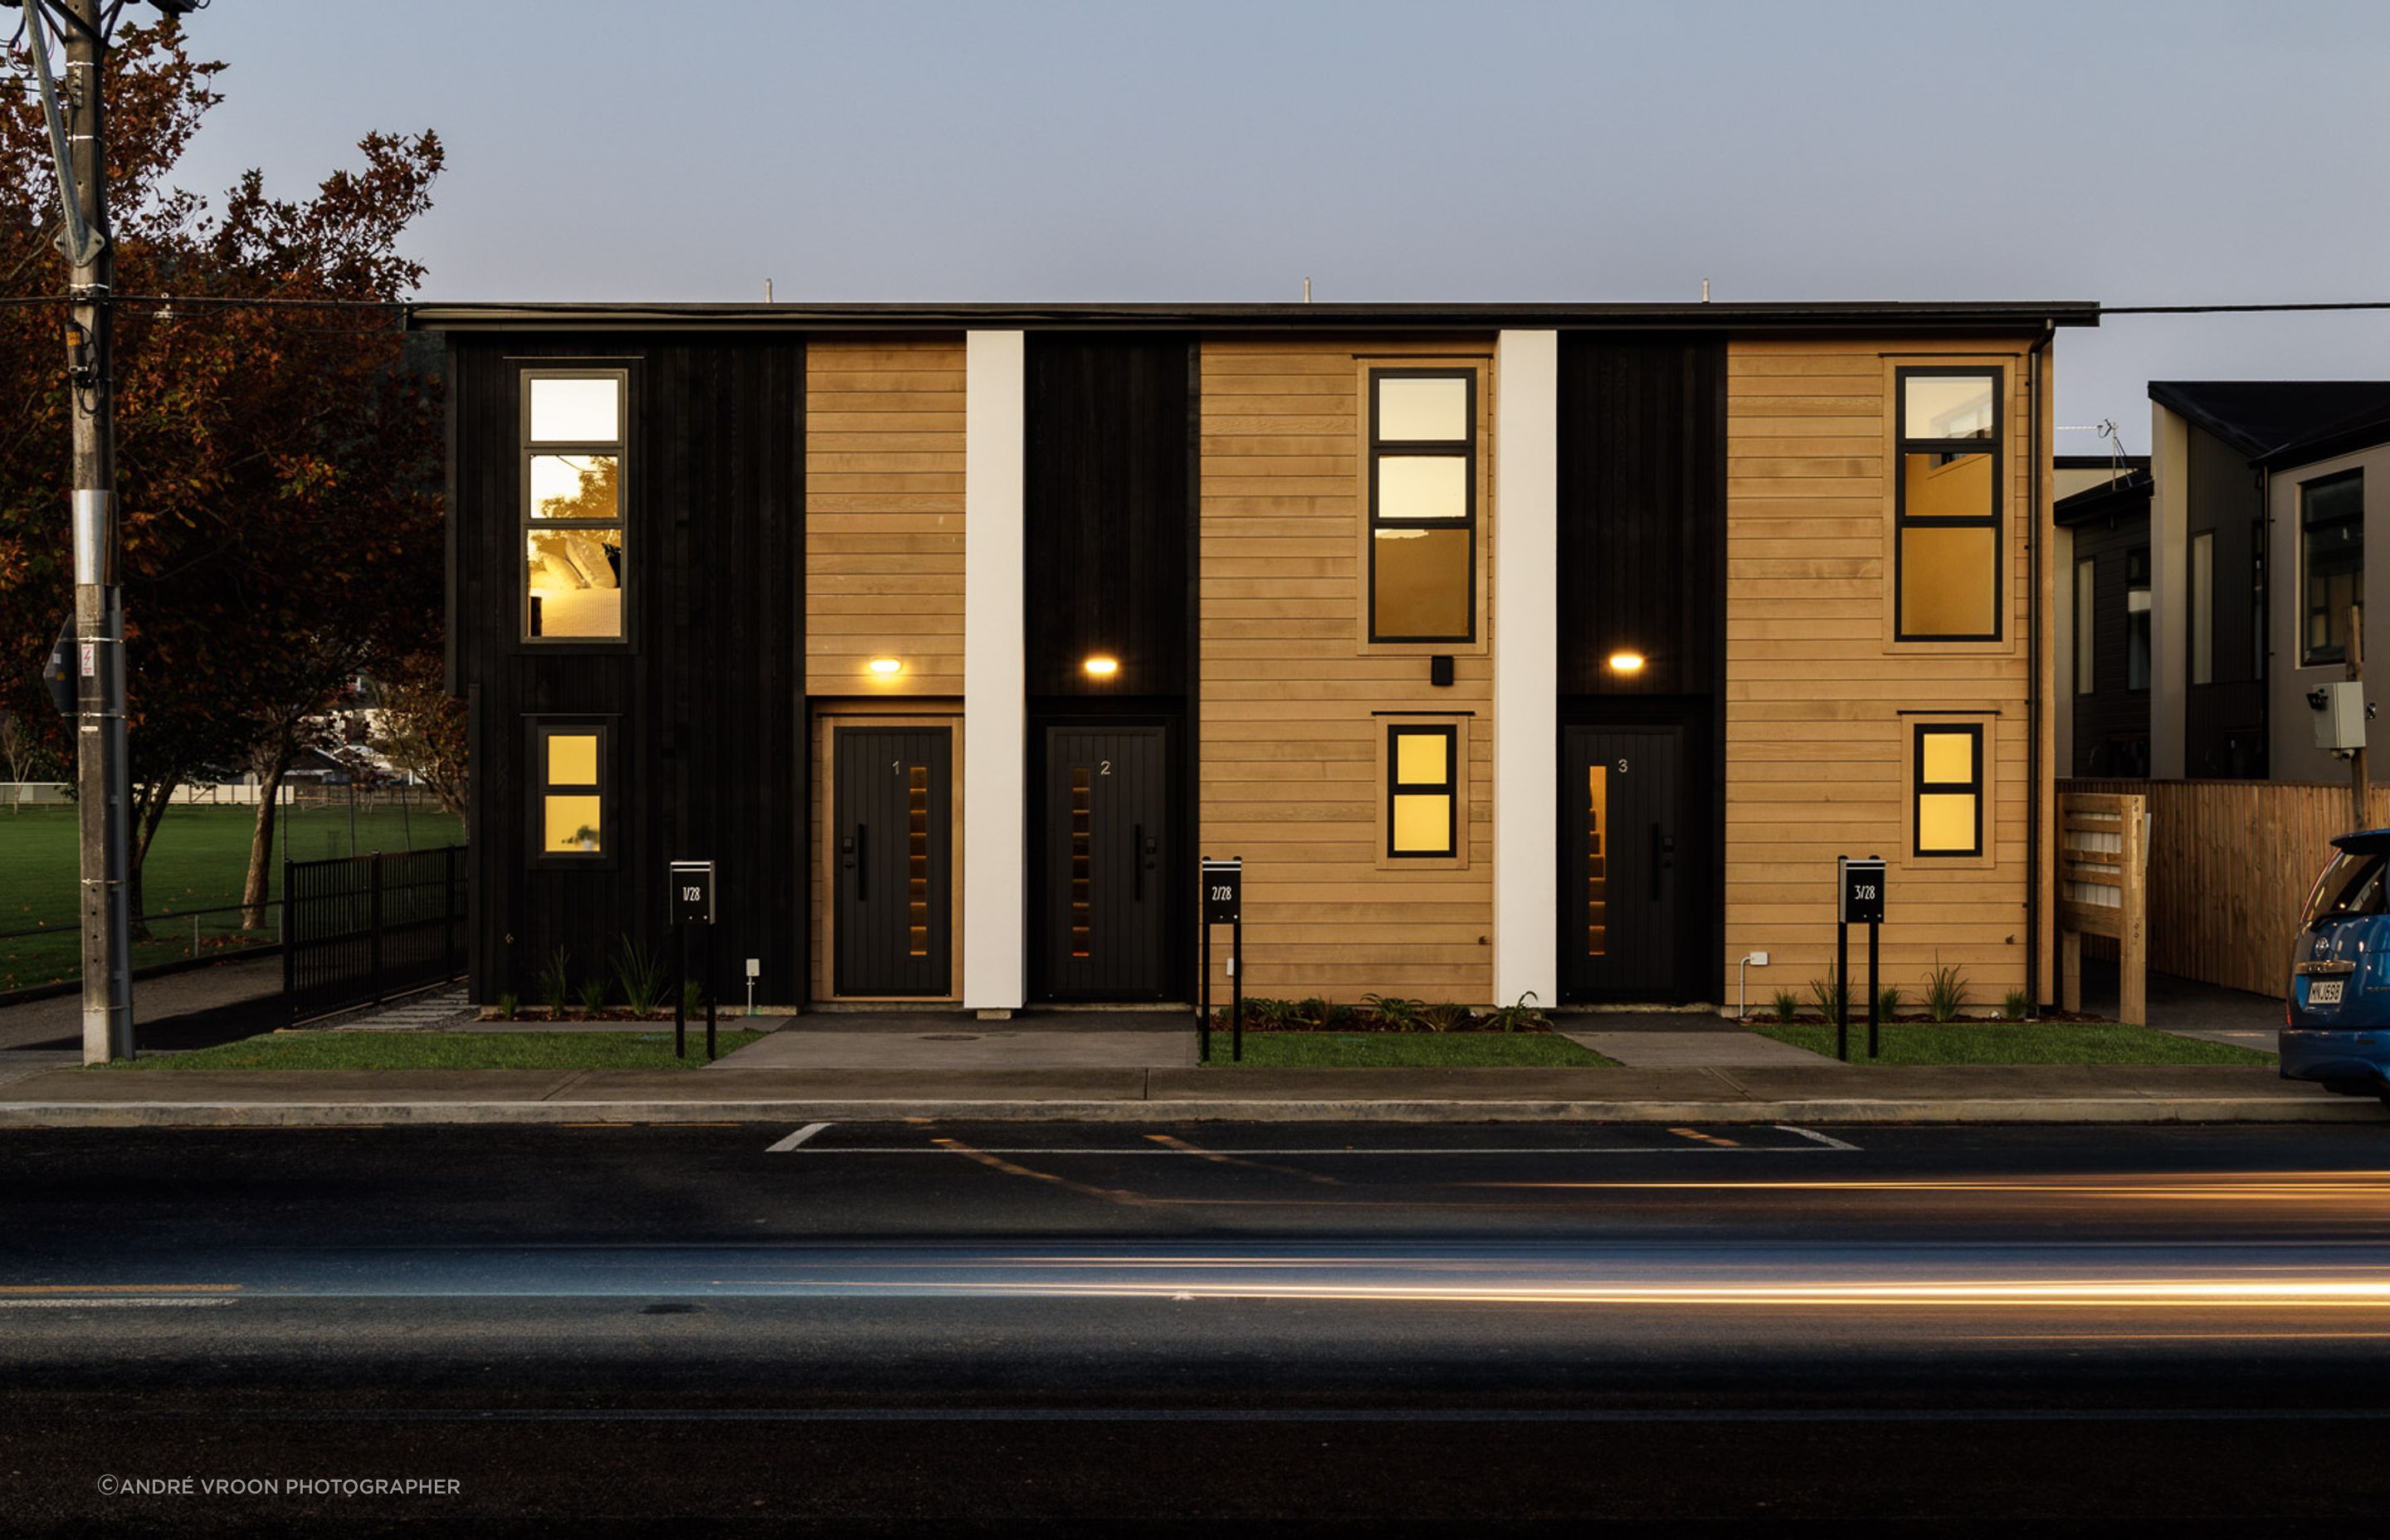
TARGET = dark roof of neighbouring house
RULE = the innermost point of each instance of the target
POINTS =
(2260, 417)
(1882, 316)
(2127, 496)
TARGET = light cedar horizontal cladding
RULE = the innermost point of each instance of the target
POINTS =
(1817, 753)
(884, 516)
(1288, 742)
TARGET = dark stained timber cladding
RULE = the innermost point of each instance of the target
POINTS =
(1642, 514)
(704, 699)
(1107, 514)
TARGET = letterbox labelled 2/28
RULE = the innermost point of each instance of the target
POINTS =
(1224, 891)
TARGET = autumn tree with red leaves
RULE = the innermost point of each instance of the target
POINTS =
(278, 464)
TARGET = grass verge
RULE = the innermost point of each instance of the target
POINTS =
(2017, 1042)
(1373, 1050)
(446, 1051)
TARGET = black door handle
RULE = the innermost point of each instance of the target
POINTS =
(1137, 856)
(861, 865)
(1655, 861)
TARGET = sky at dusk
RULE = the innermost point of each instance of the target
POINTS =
(2129, 153)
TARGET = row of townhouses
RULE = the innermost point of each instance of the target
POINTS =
(1515, 649)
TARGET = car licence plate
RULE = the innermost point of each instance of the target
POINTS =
(2325, 992)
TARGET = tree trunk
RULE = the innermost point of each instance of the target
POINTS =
(149, 804)
(260, 842)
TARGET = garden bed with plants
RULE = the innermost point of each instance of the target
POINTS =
(1946, 1000)
(1383, 1013)
(634, 985)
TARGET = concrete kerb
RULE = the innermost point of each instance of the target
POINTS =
(1837, 1111)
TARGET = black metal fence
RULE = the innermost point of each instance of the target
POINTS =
(360, 929)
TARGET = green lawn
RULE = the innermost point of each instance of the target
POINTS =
(442, 1050)
(1370, 1050)
(2017, 1042)
(197, 862)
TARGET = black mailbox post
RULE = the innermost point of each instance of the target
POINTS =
(1861, 901)
(1223, 901)
(692, 904)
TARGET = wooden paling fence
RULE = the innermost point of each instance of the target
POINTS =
(2104, 891)
(2230, 866)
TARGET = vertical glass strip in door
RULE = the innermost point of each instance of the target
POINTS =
(1597, 879)
(1082, 856)
(917, 859)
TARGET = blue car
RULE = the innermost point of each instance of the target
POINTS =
(2336, 1012)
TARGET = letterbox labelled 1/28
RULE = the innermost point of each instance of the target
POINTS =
(692, 892)
(1224, 891)
(1862, 890)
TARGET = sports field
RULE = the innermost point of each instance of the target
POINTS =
(197, 862)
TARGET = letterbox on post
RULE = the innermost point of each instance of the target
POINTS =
(1224, 898)
(692, 904)
(1859, 902)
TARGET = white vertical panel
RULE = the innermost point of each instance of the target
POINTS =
(1526, 667)
(994, 677)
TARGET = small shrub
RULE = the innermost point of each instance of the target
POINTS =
(1312, 1011)
(510, 1007)
(1445, 1016)
(593, 995)
(2017, 1007)
(1521, 1015)
(693, 997)
(1396, 1012)
(1887, 1003)
(1268, 1014)
(1334, 1017)
(1788, 1005)
(1832, 993)
(556, 980)
(1946, 991)
(640, 971)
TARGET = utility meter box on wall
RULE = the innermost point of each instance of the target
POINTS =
(2340, 714)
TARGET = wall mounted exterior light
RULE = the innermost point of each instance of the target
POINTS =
(1102, 667)
(886, 668)
(1624, 661)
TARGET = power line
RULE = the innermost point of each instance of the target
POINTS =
(2241, 310)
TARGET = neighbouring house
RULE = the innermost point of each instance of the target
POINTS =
(2102, 517)
(2255, 550)
(1540, 648)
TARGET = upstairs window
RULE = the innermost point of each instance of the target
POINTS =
(2203, 608)
(572, 489)
(1947, 515)
(2087, 623)
(2331, 564)
(2137, 617)
(1422, 505)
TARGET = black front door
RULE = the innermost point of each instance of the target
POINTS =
(892, 818)
(1104, 859)
(1622, 873)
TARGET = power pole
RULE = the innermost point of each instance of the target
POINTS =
(103, 789)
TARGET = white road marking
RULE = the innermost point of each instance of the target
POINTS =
(800, 1137)
(1826, 1139)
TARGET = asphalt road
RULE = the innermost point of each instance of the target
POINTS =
(1012, 1329)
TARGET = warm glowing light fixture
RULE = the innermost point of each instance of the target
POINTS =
(1624, 661)
(887, 668)
(1102, 667)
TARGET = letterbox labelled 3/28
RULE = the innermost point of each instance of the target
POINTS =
(692, 892)
(1862, 894)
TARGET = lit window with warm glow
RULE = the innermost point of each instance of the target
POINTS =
(1949, 789)
(573, 504)
(572, 792)
(1422, 791)
(1422, 505)
(1947, 511)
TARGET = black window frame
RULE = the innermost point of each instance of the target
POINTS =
(538, 730)
(529, 449)
(1920, 788)
(2086, 626)
(1903, 522)
(1448, 788)
(1466, 450)
(2325, 656)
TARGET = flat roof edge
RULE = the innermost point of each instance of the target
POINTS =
(1964, 316)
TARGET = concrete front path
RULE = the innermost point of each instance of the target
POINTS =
(1680, 1040)
(1031, 1041)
